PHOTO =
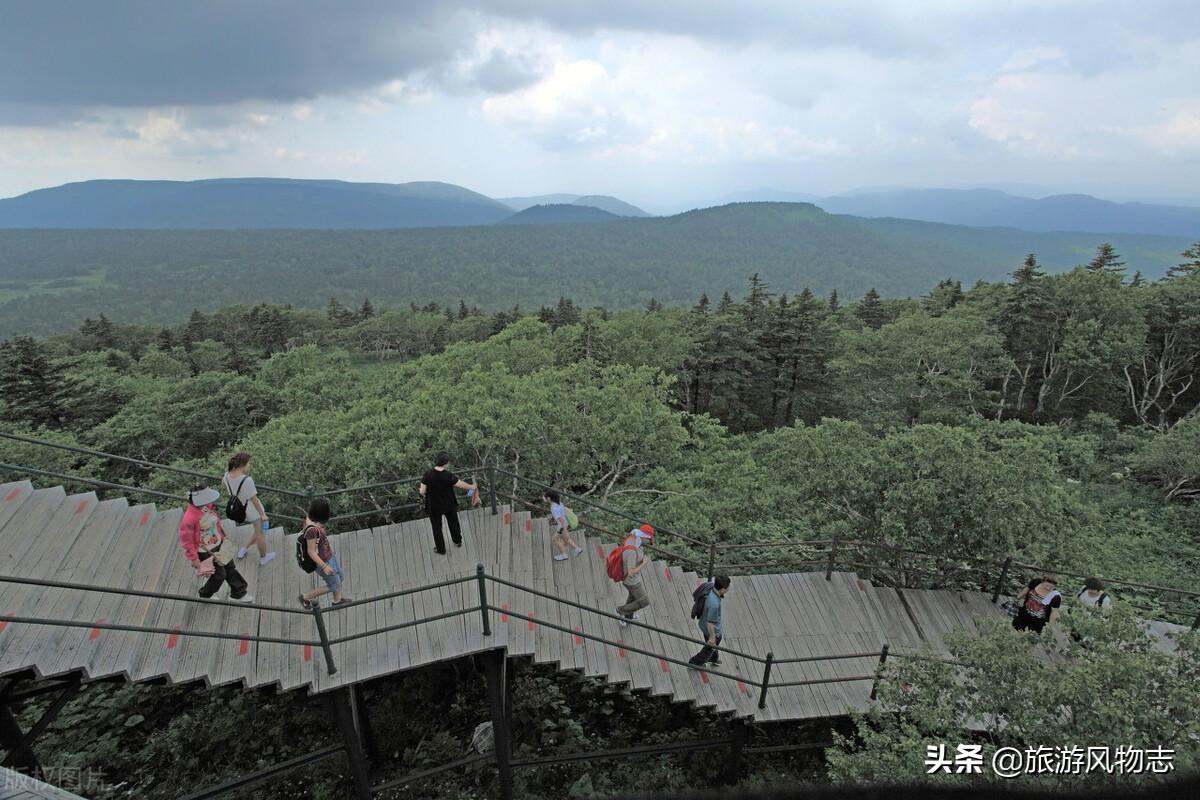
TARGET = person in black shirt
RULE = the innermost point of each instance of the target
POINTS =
(437, 487)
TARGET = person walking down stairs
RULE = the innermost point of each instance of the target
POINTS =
(630, 560)
(708, 604)
(562, 517)
(206, 547)
(437, 489)
(244, 506)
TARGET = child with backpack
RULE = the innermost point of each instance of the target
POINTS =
(210, 553)
(245, 507)
(623, 565)
(706, 610)
(315, 554)
(1039, 603)
(562, 516)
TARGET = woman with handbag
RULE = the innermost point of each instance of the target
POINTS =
(206, 547)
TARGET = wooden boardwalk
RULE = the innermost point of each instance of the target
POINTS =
(18, 786)
(48, 534)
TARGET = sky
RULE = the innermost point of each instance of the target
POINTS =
(669, 104)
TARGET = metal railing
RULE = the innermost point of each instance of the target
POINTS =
(949, 568)
(481, 577)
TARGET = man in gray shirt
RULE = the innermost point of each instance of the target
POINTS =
(634, 561)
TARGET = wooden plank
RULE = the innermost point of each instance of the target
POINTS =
(12, 496)
(87, 558)
(115, 569)
(419, 565)
(401, 645)
(269, 658)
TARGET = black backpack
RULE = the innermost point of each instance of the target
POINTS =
(700, 597)
(235, 509)
(302, 557)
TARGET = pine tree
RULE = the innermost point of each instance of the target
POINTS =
(833, 301)
(1136, 282)
(757, 300)
(166, 342)
(1106, 260)
(1028, 323)
(726, 303)
(32, 386)
(463, 312)
(653, 307)
(870, 310)
(366, 310)
(701, 306)
(1187, 268)
(196, 329)
(235, 361)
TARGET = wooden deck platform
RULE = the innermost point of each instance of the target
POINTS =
(46, 533)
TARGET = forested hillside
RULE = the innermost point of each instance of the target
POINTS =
(53, 280)
(1052, 418)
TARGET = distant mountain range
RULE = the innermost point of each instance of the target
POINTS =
(53, 279)
(988, 208)
(601, 201)
(558, 213)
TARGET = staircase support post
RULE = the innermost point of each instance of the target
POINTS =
(20, 755)
(344, 710)
(733, 764)
(495, 664)
(883, 654)
(832, 558)
(362, 719)
(762, 698)
(483, 602)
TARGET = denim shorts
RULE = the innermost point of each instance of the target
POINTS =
(334, 581)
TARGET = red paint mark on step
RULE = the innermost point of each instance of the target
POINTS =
(861, 588)
(95, 634)
(244, 647)
(667, 573)
(531, 619)
(663, 664)
(307, 653)
(82, 505)
(528, 525)
(600, 551)
(578, 638)
(703, 676)
(12, 495)
(145, 518)
(3, 625)
(173, 639)
(503, 608)
(742, 688)
(507, 518)
(621, 651)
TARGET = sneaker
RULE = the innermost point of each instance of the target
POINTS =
(307, 605)
(561, 557)
(267, 559)
(439, 552)
(623, 619)
(716, 662)
(242, 552)
(345, 599)
(246, 598)
(578, 550)
(458, 544)
(694, 666)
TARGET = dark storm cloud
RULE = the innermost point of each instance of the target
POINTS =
(139, 53)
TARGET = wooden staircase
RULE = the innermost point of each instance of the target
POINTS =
(48, 534)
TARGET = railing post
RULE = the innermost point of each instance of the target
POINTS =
(762, 698)
(1000, 581)
(329, 665)
(882, 660)
(491, 478)
(483, 603)
(832, 558)
(712, 559)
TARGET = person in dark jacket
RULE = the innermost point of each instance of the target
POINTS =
(437, 488)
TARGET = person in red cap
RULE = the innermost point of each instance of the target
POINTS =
(634, 560)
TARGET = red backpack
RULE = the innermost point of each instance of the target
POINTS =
(615, 563)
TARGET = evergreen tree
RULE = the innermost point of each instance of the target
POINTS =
(870, 310)
(701, 306)
(1028, 323)
(833, 301)
(166, 342)
(463, 312)
(196, 329)
(32, 386)
(366, 310)
(653, 306)
(236, 362)
(1136, 282)
(726, 303)
(1189, 267)
(1106, 260)
(757, 300)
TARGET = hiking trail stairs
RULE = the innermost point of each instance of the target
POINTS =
(77, 538)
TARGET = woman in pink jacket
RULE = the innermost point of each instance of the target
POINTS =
(206, 548)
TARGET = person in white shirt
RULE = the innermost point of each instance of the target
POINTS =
(239, 484)
(1092, 595)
